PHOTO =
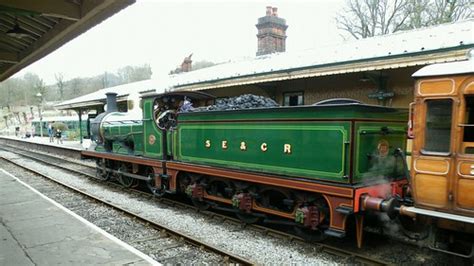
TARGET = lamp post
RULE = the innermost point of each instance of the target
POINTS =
(40, 99)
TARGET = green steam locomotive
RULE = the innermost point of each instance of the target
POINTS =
(303, 166)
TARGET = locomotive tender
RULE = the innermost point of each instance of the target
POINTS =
(311, 167)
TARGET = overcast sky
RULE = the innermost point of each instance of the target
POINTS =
(162, 33)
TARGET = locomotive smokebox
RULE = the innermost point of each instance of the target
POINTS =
(111, 102)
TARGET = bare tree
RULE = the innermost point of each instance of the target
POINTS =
(40, 87)
(7, 90)
(75, 84)
(367, 18)
(60, 83)
(129, 74)
(105, 82)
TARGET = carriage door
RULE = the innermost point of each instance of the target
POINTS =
(432, 163)
(463, 184)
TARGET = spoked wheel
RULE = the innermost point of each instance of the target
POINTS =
(247, 218)
(275, 199)
(158, 192)
(316, 234)
(185, 180)
(309, 235)
(220, 188)
(100, 173)
(124, 180)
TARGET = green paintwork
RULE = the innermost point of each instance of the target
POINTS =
(322, 147)
(124, 131)
(137, 131)
(319, 139)
(308, 143)
(368, 136)
(150, 128)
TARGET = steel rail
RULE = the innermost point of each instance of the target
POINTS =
(232, 258)
(355, 257)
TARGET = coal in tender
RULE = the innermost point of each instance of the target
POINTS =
(246, 101)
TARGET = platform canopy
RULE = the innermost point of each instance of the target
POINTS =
(29, 30)
(97, 99)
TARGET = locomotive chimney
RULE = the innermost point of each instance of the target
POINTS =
(111, 102)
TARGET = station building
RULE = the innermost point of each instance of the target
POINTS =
(374, 70)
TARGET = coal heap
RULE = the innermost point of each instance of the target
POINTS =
(246, 101)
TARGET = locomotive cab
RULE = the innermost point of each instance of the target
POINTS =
(160, 113)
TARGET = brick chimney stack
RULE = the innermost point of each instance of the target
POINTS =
(186, 66)
(271, 32)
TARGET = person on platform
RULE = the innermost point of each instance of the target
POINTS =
(58, 136)
(51, 132)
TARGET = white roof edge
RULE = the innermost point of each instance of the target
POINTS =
(443, 69)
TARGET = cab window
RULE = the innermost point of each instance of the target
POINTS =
(438, 126)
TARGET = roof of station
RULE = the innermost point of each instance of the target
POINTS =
(98, 98)
(29, 30)
(442, 43)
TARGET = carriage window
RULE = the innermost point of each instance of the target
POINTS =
(438, 125)
(468, 125)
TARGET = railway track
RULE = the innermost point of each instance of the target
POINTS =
(88, 171)
(173, 239)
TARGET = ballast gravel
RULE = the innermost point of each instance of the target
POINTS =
(259, 248)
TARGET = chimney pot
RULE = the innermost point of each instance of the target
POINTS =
(186, 66)
(269, 11)
(275, 11)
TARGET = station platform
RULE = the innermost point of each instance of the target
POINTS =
(35, 230)
(71, 144)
